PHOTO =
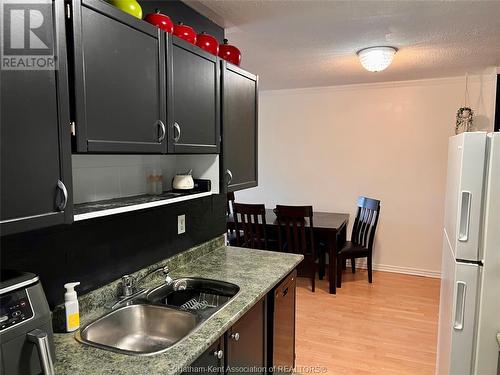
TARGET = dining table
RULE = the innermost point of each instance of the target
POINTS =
(329, 228)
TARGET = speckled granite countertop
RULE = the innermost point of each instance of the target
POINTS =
(255, 272)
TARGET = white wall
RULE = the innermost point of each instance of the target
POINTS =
(327, 146)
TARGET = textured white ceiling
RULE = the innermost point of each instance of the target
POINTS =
(313, 43)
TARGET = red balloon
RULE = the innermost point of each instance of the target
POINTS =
(160, 20)
(230, 53)
(208, 43)
(185, 32)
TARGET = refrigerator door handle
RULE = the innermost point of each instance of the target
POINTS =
(463, 234)
(458, 323)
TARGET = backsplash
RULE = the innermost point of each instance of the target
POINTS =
(98, 251)
(108, 294)
(99, 177)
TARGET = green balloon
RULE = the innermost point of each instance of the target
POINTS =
(128, 6)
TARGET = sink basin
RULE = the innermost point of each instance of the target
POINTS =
(194, 294)
(157, 319)
(139, 329)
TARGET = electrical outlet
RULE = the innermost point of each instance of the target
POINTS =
(181, 224)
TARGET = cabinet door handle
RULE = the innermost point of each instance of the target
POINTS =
(178, 128)
(218, 354)
(41, 340)
(230, 174)
(235, 336)
(163, 131)
(62, 204)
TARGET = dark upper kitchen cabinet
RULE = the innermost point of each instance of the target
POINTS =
(211, 361)
(239, 127)
(246, 341)
(35, 140)
(194, 89)
(119, 81)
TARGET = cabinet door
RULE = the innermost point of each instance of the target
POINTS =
(35, 140)
(239, 127)
(246, 342)
(281, 331)
(210, 362)
(194, 116)
(120, 94)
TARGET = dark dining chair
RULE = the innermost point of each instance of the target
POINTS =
(362, 236)
(231, 234)
(295, 235)
(250, 223)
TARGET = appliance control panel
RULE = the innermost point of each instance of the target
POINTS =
(15, 308)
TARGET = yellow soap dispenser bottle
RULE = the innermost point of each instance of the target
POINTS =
(71, 307)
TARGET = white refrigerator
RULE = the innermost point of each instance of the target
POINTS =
(469, 313)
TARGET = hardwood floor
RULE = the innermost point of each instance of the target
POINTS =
(388, 327)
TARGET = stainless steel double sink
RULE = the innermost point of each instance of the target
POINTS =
(158, 318)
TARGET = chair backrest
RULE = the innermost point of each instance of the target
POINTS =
(230, 203)
(365, 223)
(250, 220)
(295, 229)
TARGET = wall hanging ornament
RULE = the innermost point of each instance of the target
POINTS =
(464, 114)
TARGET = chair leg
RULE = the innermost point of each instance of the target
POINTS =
(353, 265)
(313, 282)
(344, 264)
(322, 265)
(340, 262)
(370, 269)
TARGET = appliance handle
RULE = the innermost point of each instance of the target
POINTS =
(41, 340)
(230, 174)
(463, 234)
(458, 323)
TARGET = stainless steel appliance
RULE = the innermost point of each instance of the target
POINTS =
(469, 306)
(26, 337)
(281, 346)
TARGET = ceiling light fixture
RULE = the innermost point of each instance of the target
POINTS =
(376, 59)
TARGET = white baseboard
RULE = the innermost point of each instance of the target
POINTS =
(361, 263)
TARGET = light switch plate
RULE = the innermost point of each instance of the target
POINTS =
(181, 224)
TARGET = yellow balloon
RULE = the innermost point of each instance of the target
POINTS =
(129, 6)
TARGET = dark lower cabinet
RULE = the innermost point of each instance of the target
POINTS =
(119, 81)
(35, 139)
(239, 127)
(261, 339)
(246, 342)
(212, 361)
(193, 84)
(281, 325)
